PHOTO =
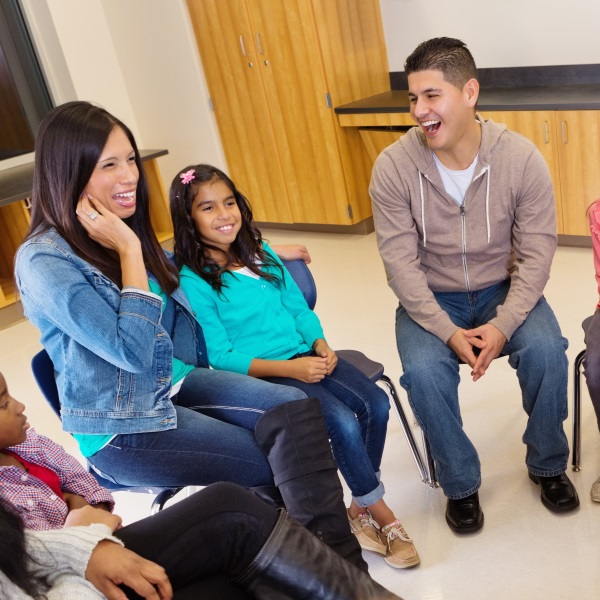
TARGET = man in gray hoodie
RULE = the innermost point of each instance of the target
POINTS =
(466, 225)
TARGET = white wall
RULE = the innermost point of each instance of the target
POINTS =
(139, 60)
(511, 33)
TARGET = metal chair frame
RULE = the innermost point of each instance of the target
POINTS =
(577, 369)
(374, 371)
(43, 372)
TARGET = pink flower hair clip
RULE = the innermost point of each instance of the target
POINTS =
(188, 176)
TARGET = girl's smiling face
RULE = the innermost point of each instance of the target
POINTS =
(13, 422)
(114, 180)
(216, 214)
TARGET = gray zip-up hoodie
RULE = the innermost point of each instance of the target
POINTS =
(505, 228)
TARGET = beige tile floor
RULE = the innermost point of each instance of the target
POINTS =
(524, 551)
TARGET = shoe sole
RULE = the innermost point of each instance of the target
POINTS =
(378, 549)
(552, 507)
(405, 565)
(381, 551)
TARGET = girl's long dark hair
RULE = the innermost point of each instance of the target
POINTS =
(14, 555)
(68, 144)
(190, 250)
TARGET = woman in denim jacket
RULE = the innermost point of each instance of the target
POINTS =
(129, 357)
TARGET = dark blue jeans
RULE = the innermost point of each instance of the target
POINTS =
(204, 448)
(356, 413)
(431, 377)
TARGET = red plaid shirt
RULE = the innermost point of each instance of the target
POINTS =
(37, 504)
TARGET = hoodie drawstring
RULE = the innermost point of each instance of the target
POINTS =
(487, 169)
(487, 201)
(422, 209)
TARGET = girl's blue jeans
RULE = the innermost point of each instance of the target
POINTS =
(536, 351)
(356, 413)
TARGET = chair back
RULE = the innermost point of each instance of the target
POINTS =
(304, 280)
(43, 373)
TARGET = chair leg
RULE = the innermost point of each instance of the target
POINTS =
(576, 460)
(431, 476)
(423, 471)
(162, 498)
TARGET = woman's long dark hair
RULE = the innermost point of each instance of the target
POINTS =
(14, 555)
(68, 145)
(189, 248)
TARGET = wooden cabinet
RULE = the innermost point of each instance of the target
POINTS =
(14, 222)
(570, 143)
(275, 70)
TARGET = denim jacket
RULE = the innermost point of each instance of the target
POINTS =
(112, 356)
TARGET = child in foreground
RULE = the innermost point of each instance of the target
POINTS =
(221, 542)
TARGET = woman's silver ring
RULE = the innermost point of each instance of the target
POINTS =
(92, 215)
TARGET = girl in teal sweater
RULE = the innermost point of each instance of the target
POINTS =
(256, 322)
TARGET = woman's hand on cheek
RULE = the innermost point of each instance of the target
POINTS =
(105, 227)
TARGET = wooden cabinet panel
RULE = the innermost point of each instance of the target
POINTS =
(537, 126)
(309, 55)
(14, 222)
(231, 65)
(578, 141)
(296, 89)
(570, 143)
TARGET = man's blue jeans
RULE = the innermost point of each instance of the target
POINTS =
(205, 448)
(431, 377)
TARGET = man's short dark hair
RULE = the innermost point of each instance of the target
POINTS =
(448, 55)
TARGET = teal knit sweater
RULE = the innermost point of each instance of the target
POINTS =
(251, 318)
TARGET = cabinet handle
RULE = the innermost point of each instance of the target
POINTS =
(545, 129)
(258, 44)
(242, 45)
(564, 131)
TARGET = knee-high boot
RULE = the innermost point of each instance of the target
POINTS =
(295, 564)
(294, 438)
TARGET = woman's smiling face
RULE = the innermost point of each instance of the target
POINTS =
(114, 180)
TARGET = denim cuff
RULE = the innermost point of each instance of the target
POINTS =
(371, 497)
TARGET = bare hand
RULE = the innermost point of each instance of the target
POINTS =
(322, 349)
(494, 342)
(463, 346)
(74, 500)
(112, 565)
(105, 227)
(88, 515)
(310, 369)
(292, 252)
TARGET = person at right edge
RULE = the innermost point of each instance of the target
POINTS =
(466, 226)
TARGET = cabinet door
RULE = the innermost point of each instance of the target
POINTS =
(539, 127)
(289, 57)
(232, 68)
(14, 222)
(578, 151)
(356, 66)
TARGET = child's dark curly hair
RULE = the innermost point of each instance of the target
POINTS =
(190, 250)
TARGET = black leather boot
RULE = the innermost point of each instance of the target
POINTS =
(293, 564)
(294, 438)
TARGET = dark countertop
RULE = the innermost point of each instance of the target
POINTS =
(15, 183)
(565, 97)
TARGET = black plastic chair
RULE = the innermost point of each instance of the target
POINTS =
(43, 372)
(577, 370)
(373, 370)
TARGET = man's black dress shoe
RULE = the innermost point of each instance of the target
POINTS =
(464, 515)
(558, 493)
